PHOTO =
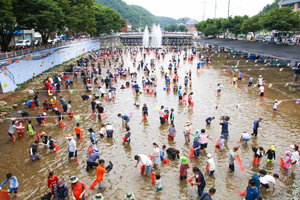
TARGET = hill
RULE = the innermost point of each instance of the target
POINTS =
(269, 7)
(135, 14)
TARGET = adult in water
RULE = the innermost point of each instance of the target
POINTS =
(200, 181)
(173, 153)
(145, 161)
(125, 119)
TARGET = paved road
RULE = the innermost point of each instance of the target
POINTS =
(270, 50)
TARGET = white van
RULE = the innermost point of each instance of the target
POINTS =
(250, 35)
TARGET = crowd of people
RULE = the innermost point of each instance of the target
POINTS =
(91, 71)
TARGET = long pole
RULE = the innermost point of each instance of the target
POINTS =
(204, 10)
(228, 7)
(216, 9)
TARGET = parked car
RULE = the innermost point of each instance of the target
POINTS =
(72, 38)
(259, 37)
(23, 43)
(268, 38)
(249, 36)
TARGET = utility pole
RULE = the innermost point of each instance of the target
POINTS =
(228, 7)
(215, 9)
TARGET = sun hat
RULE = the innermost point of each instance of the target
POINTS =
(73, 179)
(43, 133)
(184, 160)
(129, 196)
(208, 155)
(69, 136)
(260, 76)
(188, 123)
(44, 113)
(98, 196)
(272, 148)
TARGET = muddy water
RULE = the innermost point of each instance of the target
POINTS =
(280, 130)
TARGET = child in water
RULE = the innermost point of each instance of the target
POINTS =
(30, 129)
(219, 89)
(271, 154)
(158, 185)
(166, 114)
(77, 131)
(183, 98)
(144, 111)
(102, 130)
(222, 141)
(172, 115)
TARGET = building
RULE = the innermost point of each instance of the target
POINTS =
(290, 3)
(127, 28)
(192, 28)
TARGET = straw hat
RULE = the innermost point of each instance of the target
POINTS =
(69, 136)
(272, 148)
(188, 123)
(43, 133)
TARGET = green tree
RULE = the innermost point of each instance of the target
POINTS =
(281, 19)
(211, 29)
(171, 28)
(107, 20)
(236, 24)
(269, 7)
(181, 28)
(252, 24)
(7, 23)
(42, 15)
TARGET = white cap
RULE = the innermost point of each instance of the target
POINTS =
(208, 155)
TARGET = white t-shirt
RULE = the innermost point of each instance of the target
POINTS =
(275, 105)
(156, 151)
(101, 90)
(145, 160)
(188, 128)
(260, 81)
(211, 163)
(245, 135)
(262, 89)
(295, 156)
(109, 127)
(69, 108)
(267, 179)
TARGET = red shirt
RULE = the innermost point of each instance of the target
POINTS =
(52, 183)
(47, 85)
(78, 189)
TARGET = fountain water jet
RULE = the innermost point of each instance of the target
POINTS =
(146, 37)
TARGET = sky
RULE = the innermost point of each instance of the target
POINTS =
(195, 8)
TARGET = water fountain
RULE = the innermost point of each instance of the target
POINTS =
(146, 37)
(156, 36)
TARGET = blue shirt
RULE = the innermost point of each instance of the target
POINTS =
(252, 194)
(125, 117)
(240, 74)
(168, 80)
(93, 157)
(93, 103)
(179, 92)
(224, 127)
(28, 103)
(251, 79)
(208, 119)
(257, 181)
(93, 136)
(255, 126)
(196, 145)
(136, 86)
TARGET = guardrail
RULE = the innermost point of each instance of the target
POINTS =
(25, 51)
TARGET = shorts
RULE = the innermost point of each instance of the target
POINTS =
(203, 146)
(71, 154)
(180, 98)
(183, 177)
(211, 172)
(51, 147)
(186, 135)
(109, 133)
(11, 134)
(261, 94)
(127, 121)
(14, 189)
(239, 79)
(197, 153)
(91, 164)
(274, 109)
(225, 135)
(208, 122)
(148, 169)
(249, 84)
(246, 138)
(296, 75)
(219, 90)
(231, 167)
(259, 85)
(101, 185)
(65, 108)
(265, 185)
